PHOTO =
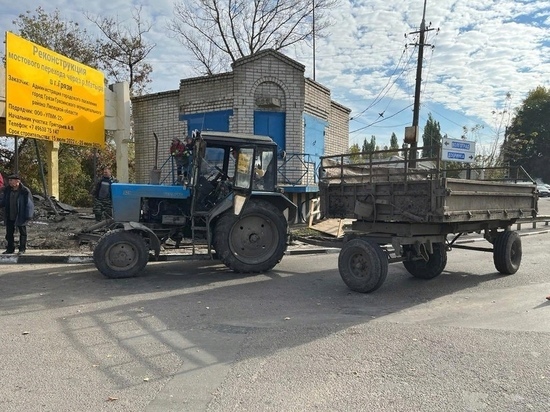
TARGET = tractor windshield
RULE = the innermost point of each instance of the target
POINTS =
(243, 171)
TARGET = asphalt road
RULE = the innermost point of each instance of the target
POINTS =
(192, 336)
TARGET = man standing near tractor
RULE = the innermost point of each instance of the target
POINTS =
(103, 205)
(17, 201)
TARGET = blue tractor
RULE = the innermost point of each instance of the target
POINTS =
(226, 207)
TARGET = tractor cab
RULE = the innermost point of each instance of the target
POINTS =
(225, 164)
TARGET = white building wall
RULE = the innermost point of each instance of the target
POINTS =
(158, 113)
(268, 74)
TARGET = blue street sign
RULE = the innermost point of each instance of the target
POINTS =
(454, 150)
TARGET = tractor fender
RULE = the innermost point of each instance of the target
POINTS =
(277, 199)
(221, 207)
(280, 201)
(154, 242)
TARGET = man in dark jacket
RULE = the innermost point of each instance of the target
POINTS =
(103, 205)
(18, 210)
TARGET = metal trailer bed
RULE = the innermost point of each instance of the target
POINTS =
(406, 214)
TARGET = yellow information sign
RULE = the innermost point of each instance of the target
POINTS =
(51, 97)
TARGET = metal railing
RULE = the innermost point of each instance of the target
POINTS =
(394, 164)
(297, 169)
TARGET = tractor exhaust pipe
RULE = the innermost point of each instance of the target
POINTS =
(154, 176)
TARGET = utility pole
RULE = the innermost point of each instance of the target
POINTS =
(416, 108)
(313, 12)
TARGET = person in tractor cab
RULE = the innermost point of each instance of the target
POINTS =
(187, 157)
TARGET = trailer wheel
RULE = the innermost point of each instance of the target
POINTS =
(363, 265)
(254, 241)
(431, 268)
(121, 254)
(507, 252)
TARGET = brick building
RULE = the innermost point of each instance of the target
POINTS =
(267, 94)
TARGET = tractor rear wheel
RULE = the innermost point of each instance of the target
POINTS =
(121, 254)
(254, 241)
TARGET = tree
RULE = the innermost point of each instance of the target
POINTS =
(354, 153)
(394, 144)
(369, 146)
(527, 140)
(76, 172)
(219, 32)
(123, 55)
(54, 33)
(431, 137)
(120, 55)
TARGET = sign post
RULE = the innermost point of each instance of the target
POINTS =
(51, 97)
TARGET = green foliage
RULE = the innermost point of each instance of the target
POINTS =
(394, 144)
(431, 137)
(354, 151)
(527, 140)
(76, 169)
(369, 146)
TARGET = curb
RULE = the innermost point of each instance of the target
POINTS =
(41, 259)
(48, 257)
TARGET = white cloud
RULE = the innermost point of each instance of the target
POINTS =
(483, 51)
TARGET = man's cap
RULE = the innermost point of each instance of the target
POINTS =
(14, 176)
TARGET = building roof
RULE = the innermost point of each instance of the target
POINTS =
(262, 54)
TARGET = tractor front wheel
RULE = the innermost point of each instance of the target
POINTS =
(121, 254)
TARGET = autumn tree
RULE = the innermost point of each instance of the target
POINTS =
(527, 140)
(53, 32)
(431, 137)
(219, 32)
(76, 164)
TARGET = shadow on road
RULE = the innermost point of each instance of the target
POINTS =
(177, 316)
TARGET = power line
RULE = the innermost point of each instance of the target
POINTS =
(380, 120)
(379, 97)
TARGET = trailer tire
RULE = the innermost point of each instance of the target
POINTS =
(431, 268)
(254, 241)
(507, 252)
(121, 254)
(363, 265)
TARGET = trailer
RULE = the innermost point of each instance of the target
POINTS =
(413, 211)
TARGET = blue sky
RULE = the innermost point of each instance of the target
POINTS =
(483, 51)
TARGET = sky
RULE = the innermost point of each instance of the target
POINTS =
(481, 59)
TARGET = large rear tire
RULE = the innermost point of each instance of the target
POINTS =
(363, 265)
(121, 254)
(431, 268)
(254, 241)
(507, 252)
